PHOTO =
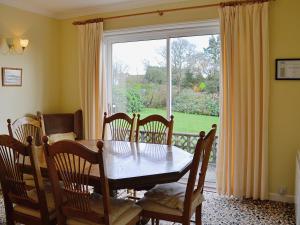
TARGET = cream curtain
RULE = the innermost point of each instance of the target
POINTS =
(242, 163)
(92, 75)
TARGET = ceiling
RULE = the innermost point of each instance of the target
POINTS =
(62, 9)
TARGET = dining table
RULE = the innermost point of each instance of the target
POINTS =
(132, 165)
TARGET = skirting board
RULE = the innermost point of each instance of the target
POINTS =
(282, 198)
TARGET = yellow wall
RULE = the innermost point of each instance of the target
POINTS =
(284, 114)
(284, 120)
(40, 64)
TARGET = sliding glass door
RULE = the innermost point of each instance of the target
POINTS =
(168, 70)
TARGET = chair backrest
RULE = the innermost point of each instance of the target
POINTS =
(24, 127)
(62, 123)
(154, 129)
(120, 126)
(202, 153)
(73, 163)
(13, 156)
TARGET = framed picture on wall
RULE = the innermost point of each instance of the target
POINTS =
(11, 76)
(287, 69)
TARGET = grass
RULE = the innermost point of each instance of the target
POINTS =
(184, 122)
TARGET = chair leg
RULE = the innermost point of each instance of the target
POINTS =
(157, 221)
(152, 221)
(198, 215)
(8, 209)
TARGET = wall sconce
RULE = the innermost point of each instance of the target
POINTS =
(10, 44)
(24, 43)
(13, 46)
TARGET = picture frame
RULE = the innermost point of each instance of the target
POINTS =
(11, 77)
(288, 69)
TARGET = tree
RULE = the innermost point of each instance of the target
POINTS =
(192, 78)
(155, 74)
(189, 80)
(120, 72)
(212, 54)
(182, 52)
(212, 57)
(134, 101)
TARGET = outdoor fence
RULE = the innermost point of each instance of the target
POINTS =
(185, 141)
(188, 142)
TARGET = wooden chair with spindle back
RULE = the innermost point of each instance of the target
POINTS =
(62, 123)
(75, 202)
(192, 194)
(154, 129)
(120, 126)
(24, 127)
(32, 207)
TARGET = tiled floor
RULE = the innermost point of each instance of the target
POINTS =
(219, 210)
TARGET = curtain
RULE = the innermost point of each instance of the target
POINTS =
(242, 163)
(92, 76)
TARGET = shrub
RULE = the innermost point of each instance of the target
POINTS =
(134, 101)
(188, 101)
(154, 95)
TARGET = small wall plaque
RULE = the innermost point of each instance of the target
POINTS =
(287, 69)
(11, 76)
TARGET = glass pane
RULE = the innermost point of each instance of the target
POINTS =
(195, 64)
(139, 77)
(195, 92)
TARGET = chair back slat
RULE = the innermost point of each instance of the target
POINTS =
(73, 163)
(13, 156)
(120, 126)
(202, 153)
(74, 172)
(154, 129)
(24, 127)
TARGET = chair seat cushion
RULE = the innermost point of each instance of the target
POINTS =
(152, 206)
(122, 211)
(36, 213)
(52, 138)
(168, 198)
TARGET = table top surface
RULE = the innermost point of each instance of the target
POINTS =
(130, 164)
(131, 159)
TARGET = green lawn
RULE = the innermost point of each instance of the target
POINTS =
(184, 122)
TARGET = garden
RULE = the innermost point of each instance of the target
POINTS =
(194, 87)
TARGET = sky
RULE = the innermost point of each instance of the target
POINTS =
(135, 54)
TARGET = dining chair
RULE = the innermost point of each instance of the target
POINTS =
(34, 206)
(120, 126)
(62, 123)
(176, 202)
(24, 127)
(75, 202)
(20, 129)
(154, 129)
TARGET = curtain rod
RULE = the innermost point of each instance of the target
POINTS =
(161, 12)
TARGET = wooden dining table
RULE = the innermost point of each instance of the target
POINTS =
(131, 165)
